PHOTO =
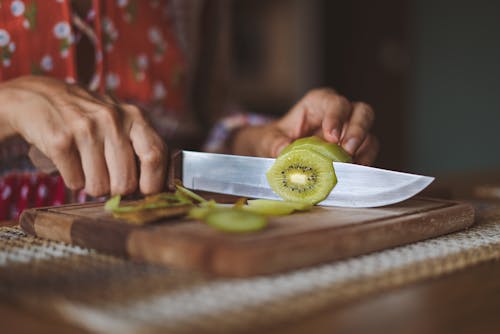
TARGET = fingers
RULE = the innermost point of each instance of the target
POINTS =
(123, 131)
(368, 151)
(358, 127)
(327, 114)
(319, 109)
(91, 148)
(275, 141)
(337, 110)
(121, 165)
(151, 151)
(90, 138)
(61, 150)
(106, 152)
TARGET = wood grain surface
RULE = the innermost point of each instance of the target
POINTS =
(290, 242)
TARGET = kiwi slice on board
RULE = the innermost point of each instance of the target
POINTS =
(329, 150)
(235, 220)
(302, 175)
(271, 207)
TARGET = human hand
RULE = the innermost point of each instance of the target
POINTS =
(91, 139)
(321, 112)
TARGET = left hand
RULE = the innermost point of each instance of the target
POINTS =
(321, 112)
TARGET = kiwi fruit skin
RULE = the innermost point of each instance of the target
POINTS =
(314, 143)
(302, 175)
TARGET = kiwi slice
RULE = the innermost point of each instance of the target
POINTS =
(302, 175)
(235, 220)
(316, 144)
(271, 207)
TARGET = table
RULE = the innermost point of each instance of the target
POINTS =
(461, 301)
(464, 302)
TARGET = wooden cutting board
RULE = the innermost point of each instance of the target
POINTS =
(290, 242)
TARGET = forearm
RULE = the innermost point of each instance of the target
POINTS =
(243, 141)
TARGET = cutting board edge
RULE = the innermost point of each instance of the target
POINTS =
(245, 265)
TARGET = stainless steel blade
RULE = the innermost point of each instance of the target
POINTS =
(358, 186)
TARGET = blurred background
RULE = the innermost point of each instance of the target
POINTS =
(430, 69)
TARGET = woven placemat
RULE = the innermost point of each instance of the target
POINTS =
(107, 294)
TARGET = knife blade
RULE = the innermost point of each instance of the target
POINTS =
(357, 186)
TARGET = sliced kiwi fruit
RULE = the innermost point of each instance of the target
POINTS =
(302, 175)
(316, 144)
(271, 207)
(235, 220)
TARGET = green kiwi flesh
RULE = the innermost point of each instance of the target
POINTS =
(271, 207)
(302, 175)
(235, 220)
(329, 150)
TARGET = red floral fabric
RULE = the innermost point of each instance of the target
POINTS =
(137, 59)
(136, 53)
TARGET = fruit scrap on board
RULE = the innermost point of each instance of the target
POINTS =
(149, 209)
(241, 217)
(154, 207)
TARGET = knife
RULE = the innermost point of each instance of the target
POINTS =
(358, 186)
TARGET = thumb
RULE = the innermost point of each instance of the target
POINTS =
(277, 141)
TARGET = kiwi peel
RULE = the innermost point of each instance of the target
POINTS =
(149, 209)
(316, 144)
(302, 175)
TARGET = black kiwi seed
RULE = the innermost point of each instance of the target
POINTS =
(316, 169)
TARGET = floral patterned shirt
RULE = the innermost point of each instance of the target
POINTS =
(143, 53)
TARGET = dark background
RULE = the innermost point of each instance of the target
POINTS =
(430, 69)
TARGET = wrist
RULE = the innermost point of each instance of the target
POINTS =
(6, 128)
(242, 141)
(252, 140)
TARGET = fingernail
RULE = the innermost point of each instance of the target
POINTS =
(335, 133)
(280, 148)
(351, 145)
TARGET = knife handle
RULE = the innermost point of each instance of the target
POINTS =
(174, 169)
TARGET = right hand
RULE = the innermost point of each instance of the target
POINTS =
(91, 139)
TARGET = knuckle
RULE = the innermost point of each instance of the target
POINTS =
(367, 110)
(110, 120)
(342, 102)
(154, 157)
(109, 115)
(60, 143)
(132, 110)
(83, 127)
(329, 98)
